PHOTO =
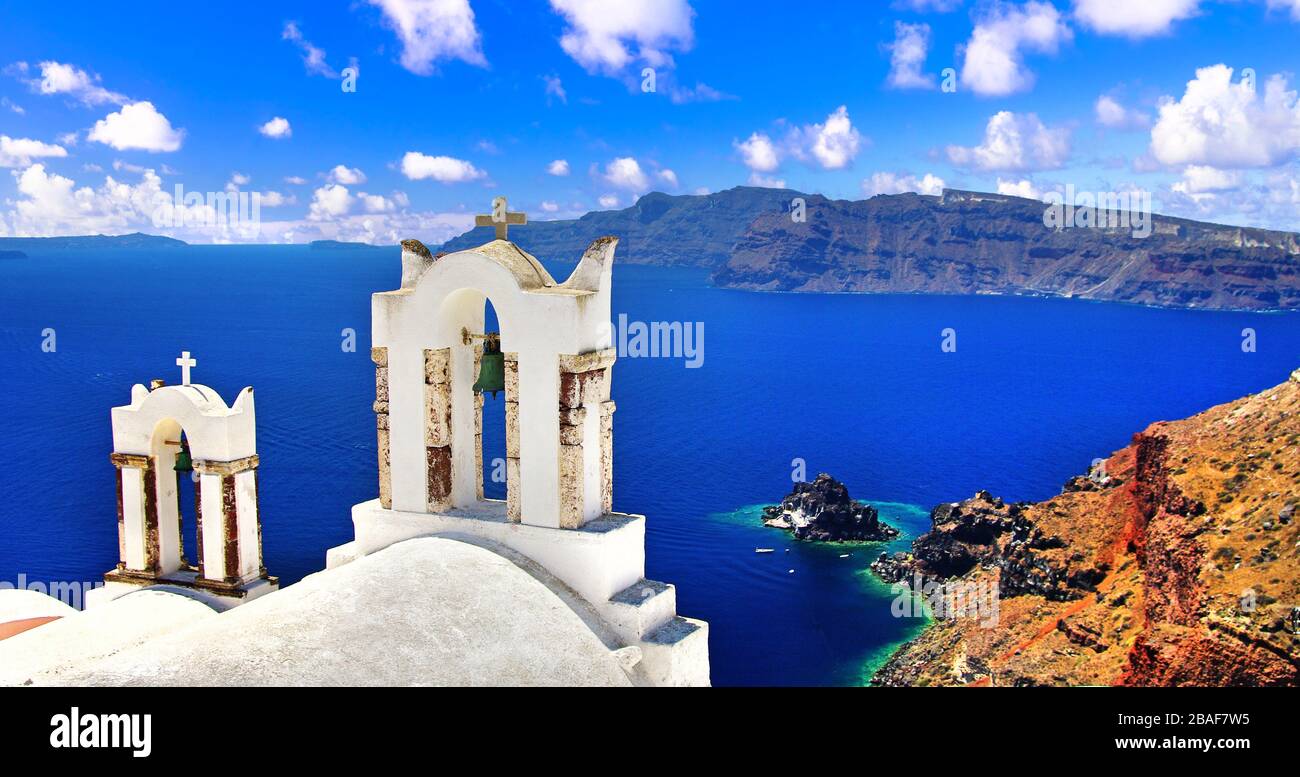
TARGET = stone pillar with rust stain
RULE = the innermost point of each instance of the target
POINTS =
(437, 428)
(230, 534)
(585, 415)
(380, 357)
(513, 512)
(478, 428)
(137, 517)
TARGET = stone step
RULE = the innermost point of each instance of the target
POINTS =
(641, 608)
(677, 653)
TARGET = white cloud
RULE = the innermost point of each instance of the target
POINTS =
(137, 126)
(295, 180)
(61, 78)
(765, 181)
(417, 166)
(348, 176)
(608, 201)
(13, 106)
(907, 56)
(329, 202)
(1224, 124)
(897, 183)
(994, 64)
(275, 199)
(1022, 188)
(625, 173)
(1294, 5)
(668, 177)
(834, 144)
(277, 127)
(700, 93)
(313, 58)
(1015, 142)
(433, 30)
(1198, 179)
(1133, 18)
(549, 206)
(237, 181)
(559, 167)
(1110, 113)
(19, 152)
(758, 153)
(555, 88)
(606, 37)
(376, 203)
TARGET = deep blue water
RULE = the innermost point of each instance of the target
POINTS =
(855, 385)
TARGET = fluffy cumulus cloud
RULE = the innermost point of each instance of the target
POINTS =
(329, 202)
(433, 30)
(994, 60)
(907, 57)
(138, 126)
(626, 173)
(608, 201)
(1020, 188)
(1199, 179)
(606, 37)
(1228, 124)
(898, 183)
(1133, 18)
(1015, 143)
(668, 177)
(833, 144)
(1111, 113)
(559, 167)
(348, 176)
(277, 128)
(51, 204)
(62, 78)
(19, 152)
(444, 169)
(758, 152)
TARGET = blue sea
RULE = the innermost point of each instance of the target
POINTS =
(856, 386)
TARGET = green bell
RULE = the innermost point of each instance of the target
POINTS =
(183, 461)
(492, 372)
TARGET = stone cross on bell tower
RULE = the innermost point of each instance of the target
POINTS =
(501, 219)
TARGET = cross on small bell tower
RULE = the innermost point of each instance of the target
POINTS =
(186, 363)
(500, 218)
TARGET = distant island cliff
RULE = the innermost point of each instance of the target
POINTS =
(82, 242)
(959, 243)
(1173, 563)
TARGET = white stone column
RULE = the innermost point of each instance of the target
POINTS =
(230, 524)
(136, 496)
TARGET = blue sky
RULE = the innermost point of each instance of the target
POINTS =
(104, 110)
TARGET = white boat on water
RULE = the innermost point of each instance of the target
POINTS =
(764, 550)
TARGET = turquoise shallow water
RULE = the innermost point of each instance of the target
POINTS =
(854, 385)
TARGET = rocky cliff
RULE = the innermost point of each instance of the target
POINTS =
(1177, 562)
(662, 229)
(822, 511)
(960, 243)
(971, 243)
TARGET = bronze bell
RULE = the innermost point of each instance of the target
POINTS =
(492, 371)
(183, 461)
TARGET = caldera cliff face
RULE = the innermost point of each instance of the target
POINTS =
(1177, 562)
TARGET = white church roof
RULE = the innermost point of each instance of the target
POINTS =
(427, 611)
